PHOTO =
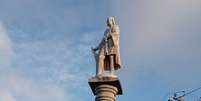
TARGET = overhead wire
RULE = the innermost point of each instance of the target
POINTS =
(175, 96)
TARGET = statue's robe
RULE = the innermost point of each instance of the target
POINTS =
(110, 46)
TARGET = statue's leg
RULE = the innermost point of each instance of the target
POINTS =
(96, 58)
(111, 64)
(100, 68)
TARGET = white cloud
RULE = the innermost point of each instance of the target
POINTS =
(48, 44)
(16, 85)
(44, 69)
(4, 96)
(5, 47)
(19, 88)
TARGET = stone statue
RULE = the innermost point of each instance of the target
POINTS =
(108, 55)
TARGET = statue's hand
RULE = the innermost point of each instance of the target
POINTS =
(93, 49)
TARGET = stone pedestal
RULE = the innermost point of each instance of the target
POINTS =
(105, 88)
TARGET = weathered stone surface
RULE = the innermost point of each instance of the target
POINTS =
(108, 55)
(106, 85)
(106, 93)
(94, 82)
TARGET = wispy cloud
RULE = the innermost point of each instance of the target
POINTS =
(15, 87)
(19, 88)
(5, 96)
(5, 48)
(51, 44)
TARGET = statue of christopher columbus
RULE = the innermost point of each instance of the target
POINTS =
(107, 53)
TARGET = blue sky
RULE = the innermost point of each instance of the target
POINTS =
(45, 48)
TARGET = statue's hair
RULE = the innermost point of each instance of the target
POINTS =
(111, 18)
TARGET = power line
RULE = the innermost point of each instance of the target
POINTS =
(180, 98)
(194, 90)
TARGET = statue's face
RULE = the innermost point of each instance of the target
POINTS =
(110, 21)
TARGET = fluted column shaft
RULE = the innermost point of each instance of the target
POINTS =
(106, 93)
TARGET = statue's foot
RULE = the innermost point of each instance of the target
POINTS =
(113, 76)
(99, 76)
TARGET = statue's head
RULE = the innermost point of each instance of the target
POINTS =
(110, 21)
